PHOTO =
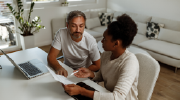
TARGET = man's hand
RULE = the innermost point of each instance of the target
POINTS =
(62, 71)
(84, 73)
(72, 89)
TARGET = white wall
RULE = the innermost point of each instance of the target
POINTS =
(168, 9)
(44, 37)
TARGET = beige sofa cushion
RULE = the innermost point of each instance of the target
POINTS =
(139, 17)
(139, 38)
(99, 29)
(94, 12)
(56, 24)
(141, 28)
(169, 36)
(87, 13)
(169, 24)
(162, 47)
(94, 33)
(92, 23)
(118, 13)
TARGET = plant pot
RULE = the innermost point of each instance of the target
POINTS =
(62, 4)
(27, 41)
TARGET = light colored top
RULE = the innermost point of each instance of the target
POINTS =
(76, 54)
(120, 76)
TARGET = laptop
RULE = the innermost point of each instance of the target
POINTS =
(30, 69)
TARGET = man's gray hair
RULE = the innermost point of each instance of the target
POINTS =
(74, 14)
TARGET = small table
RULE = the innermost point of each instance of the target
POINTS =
(132, 49)
(15, 86)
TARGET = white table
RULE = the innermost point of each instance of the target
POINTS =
(15, 86)
(132, 49)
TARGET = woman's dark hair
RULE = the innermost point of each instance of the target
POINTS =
(123, 29)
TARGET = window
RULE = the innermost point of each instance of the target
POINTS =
(80, 2)
(7, 27)
(40, 0)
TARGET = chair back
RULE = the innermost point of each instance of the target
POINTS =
(148, 74)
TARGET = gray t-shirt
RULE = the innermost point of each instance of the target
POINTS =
(76, 54)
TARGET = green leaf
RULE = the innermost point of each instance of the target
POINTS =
(22, 10)
(17, 17)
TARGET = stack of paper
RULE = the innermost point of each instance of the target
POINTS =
(60, 78)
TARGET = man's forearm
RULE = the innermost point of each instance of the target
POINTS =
(93, 68)
(54, 63)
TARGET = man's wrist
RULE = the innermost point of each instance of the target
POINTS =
(92, 75)
(58, 68)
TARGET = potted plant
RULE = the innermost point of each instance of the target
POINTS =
(27, 26)
(62, 4)
(66, 3)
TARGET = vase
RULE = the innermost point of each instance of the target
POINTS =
(27, 41)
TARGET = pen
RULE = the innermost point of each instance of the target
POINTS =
(74, 72)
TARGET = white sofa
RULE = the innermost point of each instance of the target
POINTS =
(165, 49)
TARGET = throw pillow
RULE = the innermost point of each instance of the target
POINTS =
(93, 22)
(105, 18)
(153, 30)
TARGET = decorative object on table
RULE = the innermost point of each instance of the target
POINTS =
(27, 26)
(62, 4)
(153, 30)
(65, 3)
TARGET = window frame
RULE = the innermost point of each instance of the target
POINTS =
(17, 38)
(41, 4)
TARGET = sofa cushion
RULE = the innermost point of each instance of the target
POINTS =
(162, 47)
(87, 13)
(153, 30)
(139, 17)
(169, 24)
(139, 38)
(114, 19)
(105, 18)
(95, 12)
(94, 33)
(118, 13)
(56, 24)
(141, 28)
(92, 22)
(99, 29)
(169, 36)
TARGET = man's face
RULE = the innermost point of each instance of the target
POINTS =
(76, 27)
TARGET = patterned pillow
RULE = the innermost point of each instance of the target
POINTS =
(105, 18)
(153, 30)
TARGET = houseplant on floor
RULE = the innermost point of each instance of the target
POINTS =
(27, 26)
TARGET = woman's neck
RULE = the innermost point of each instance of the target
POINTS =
(118, 52)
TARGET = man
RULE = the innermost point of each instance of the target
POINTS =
(79, 48)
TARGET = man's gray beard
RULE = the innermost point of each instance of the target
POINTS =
(73, 35)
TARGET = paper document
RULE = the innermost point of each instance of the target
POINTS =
(60, 78)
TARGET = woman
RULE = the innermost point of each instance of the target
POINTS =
(119, 67)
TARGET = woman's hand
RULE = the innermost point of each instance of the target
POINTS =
(84, 73)
(72, 89)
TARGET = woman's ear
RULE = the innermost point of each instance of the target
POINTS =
(118, 43)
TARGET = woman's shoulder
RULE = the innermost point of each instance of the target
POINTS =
(130, 61)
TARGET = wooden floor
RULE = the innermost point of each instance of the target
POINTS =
(167, 86)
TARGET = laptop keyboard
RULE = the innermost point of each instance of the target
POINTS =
(30, 69)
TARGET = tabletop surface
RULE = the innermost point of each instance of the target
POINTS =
(14, 85)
